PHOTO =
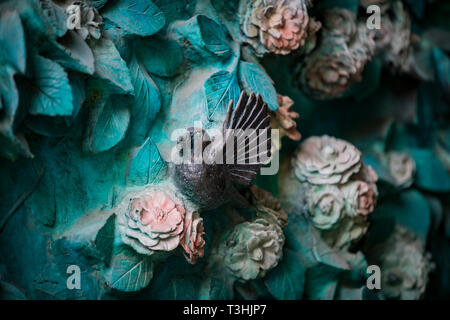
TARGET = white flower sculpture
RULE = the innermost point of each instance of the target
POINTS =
(341, 190)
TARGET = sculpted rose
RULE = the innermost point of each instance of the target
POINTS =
(153, 222)
(360, 198)
(84, 19)
(326, 160)
(340, 189)
(405, 264)
(278, 26)
(286, 119)
(252, 248)
(339, 59)
(340, 22)
(192, 237)
(326, 206)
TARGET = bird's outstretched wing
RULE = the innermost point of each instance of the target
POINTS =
(247, 138)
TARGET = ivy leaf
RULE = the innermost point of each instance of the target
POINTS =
(147, 166)
(287, 280)
(12, 41)
(139, 17)
(220, 88)
(51, 94)
(110, 66)
(430, 173)
(253, 79)
(129, 270)
(147, 102)
(109, 123)
(160, 57)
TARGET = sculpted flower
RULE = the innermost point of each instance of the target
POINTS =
(192, 237)
(362, 48)
(360, 195)
(326, 160)
(360, 198)
(85, 19)
(405, 265)
(402, 168)
(252, 248)
(338, 61)
(368, 175)
(278, 26)
(340, 22)
(328, 71)
(285, 118)
(153, 222)
(394, 39)
(326, 206)
(348, 231)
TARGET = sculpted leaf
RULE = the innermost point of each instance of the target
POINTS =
(71, 52)
(140, 17)
(147, 166)
(430, 173)
(220, 88)
(147, 102)
(130, 271)
(254, 79)
(105, 239)
(205, 35)
(8, 94)
(160, 57)
(110, 66)
(109, 124)
(287, 280)
(409, 209)
(304, 239)
(12, 41)
(52, 95)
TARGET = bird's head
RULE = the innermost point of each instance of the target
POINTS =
(192, 143)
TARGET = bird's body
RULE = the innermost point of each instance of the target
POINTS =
(204, 184)
(209, 184)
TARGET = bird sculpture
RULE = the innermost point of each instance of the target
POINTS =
(236, 158)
